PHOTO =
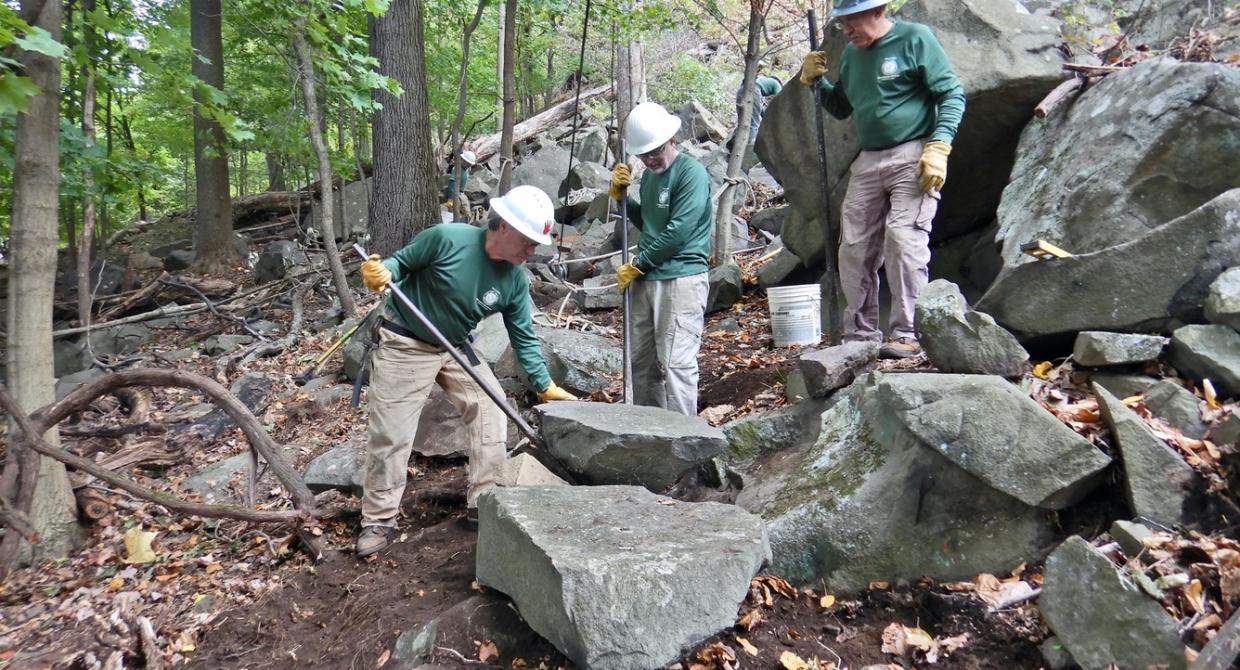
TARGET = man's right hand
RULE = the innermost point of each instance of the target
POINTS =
(813, 67)
(621, 178)
(374, 275)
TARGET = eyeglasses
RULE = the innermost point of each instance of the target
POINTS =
(653, 152)
(843, 21)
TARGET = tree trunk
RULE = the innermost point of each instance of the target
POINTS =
(406, 197)
(34, 237)
(215, 251)
(631, 87)
(275, 173)
(723, 212)
(510, 97)
(501, 40)
(127, 135)
(326, 227)
(455, 131)
(86, 246)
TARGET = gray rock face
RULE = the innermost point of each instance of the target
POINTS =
(1177, 406)
(1007, 61)
(1209, 352)
(1136, 286)
(771, 219)
(352, 211)
(580, 362)
(777, 269)
(835, 367)
(615, 577)
(1131, 536)
(794, 424)
(485, 616)
(1223, 299)
(1097, 348)
(544, 168)
(342, 468)
(597, 297)
(919, 474)
(589, 175)
(214, 484)
(1123, 386)
(1156, 478)
(592, 146)
(276, 260)
(67, 384)
(958, 339)
(1101, 617)
(628, 444)
(1227, 432)
(1127, 153)
(217, 345)
(697, 123)
(726, 287)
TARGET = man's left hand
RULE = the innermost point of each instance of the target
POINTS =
(554, 392)
(626, 274)
(932, 168)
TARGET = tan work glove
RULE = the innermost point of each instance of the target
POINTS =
(374, 275)
(554, 392)
(626, 274)
(813, 67)
(932, 168)
(621, 178)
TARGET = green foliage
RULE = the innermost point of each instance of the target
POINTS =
(16, 90)
(689, 79)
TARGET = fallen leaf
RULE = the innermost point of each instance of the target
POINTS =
(1042, 370)
(138, 545)
(749, 648)
(1192, 593)
(879, 585)
(826, 601)
(383, 658)
(749, 619)
(1207, 388)
(213, 568)
(487, 649)
(790, 661)
(116, 584)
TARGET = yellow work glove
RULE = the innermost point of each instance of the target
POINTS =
(621, 177)
(374, 275)
(813, 67)
(554, 392)
(932, 168)
(450, 204)
(626, 274)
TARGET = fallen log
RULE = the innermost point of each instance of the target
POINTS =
(92, 504)
(142, 295)
(488, 146)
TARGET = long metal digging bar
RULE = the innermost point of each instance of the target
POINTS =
(626, 297)
(460, 359)
(831, 274)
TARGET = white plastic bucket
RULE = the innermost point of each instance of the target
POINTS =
(796, 316)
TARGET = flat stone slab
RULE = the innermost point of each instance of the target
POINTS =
(616, 577)
(827, 370)
(1223, 299)
(1101, 617)
(628, 444)
(1097, 348)
(1177, 406)
(959, 339)
(525, 470)
(1209, 352)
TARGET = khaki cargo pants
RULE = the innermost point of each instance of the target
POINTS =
(667, 333)
(402, 372)
(885, 221)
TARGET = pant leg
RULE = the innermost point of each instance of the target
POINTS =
(861, 247)
(681, 336)
(755, 115)
(485, 424)
(402, 371)
(908, 223)
(648, 372)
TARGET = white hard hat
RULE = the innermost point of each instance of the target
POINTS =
(469, 157)
(528, 210)
(846, 7)
(648, 126)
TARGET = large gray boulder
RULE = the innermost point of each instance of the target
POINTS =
(917, 475)
(958, 339)
(1125, 158)
(832, 368)
(598, 293)
(580, 362)
(791, 425)
(1101, 617)
(1177, 406)
(616, 577)
(545, 168)
(1148, 284)
(588, 175)
(1209, 352)
(277, 259)
(483, 616)
(697, 123)
(628, 444)
(1223, 299)
(1098, 348)
(1007, 61)
(726, 287)
(1157, 480)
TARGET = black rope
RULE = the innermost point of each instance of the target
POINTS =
(572, 149)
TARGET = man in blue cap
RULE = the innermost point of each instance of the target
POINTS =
(906, 103)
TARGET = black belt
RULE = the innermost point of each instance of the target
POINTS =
(405, 332)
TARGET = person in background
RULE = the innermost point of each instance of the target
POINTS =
(764, 88)
(906, 103)
(456, 274)
(668, 275)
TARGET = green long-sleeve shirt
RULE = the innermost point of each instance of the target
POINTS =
(675, 220)
(447, 274)
(900, 88)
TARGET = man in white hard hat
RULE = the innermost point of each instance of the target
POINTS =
(906, 103)
(668, 274)
(454, 190)
(457, 274)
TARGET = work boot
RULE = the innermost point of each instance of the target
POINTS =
(900, 347)
(471, 518)
(373, 539)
